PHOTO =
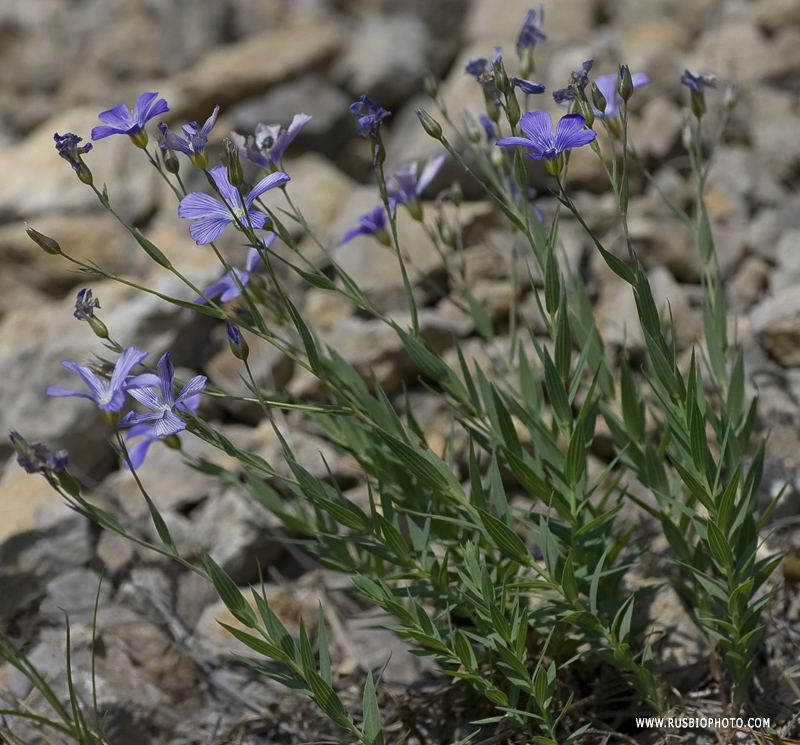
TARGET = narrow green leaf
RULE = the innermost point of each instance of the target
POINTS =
(371, 725)
(505, 539)
(229, 593)
(152, 250)
(705, 238)
(569, 584)
(720, 548)
(483, 323)
(575, 465)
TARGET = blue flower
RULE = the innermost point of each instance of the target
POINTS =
(526, 86)
(214, 216)
(266, 149)
(409, 188)
(193, 143)
(578, 81)
(38, 458)
(531, 31)
(226, 289)
(608, 85)
(697, 81)
(68, 148)
(163, 405)
(373, 223)
(121, 121)
(548, 144)
(370, 117)
(145, 434)
(109, 395)
(488, 127)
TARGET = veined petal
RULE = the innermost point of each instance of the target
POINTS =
(168, 424)
(522, 141)
(159, 108)
(196, 385)
(115, 403)
(138, 430)
(145, 380)
(257, 219)
(138, 452)
(95, 385)
(539, 127)
(227, 191)
(570, 133)
(217, 288)
(253, 259)
(166, 372)
(298, 122)
(208, 230)
(198, 205)
(98, 133)
(209, 125)
(279, 178)
(139, 420)
(148, 397)
(125, 363)
(59, 392)
(142, 106)
(173, 141)
(432, 167)
(119, 117)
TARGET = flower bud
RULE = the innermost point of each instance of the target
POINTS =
(47, 244)
(238, 345)
(429, 124)
(430, 86)
(99, 328)
(234, 165)
(69, 483)
(625, 84)
(731, 97)
(512, 108)
(598, 99)
(457, 193)
(173, 442)
(171, 162)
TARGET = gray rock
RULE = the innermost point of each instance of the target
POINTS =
(74, 593)
(788, 266)
(776, 323)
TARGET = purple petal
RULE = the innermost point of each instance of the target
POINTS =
(406, 178)
(98, 133)
(119, 117)
(522, 141)
(145, 380)
(59, 392)
(228, 192)
(166, 372)
(539, 127)
(196, 385)
(160, 108)
(570, 133)
(257, 219)
(95, 385)
(432, 167)
(169, 424)
(190, 403)
(147, 397)
(354, 233)
(607, 85)
(134, 419)
(253, 258)
(115, 403)
(126, 362)
(198, 205)
(279, 178)
(139, 430)
(142, 106)
(217, 288)
(209, 125)
(639, 79)
(138, 452)
(173, 141)
(208, 230)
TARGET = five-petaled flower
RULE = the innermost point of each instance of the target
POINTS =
(266, 149)
(193, 142)
(122, 121)
(373, 223)
(214, 216)
(409, 188)
(109, 395)
(226, 288)
(548, 144)
(163, 404)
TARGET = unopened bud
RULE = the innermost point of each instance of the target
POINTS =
(625, 84)
(98, 327)
(430, 86)
(47, 244)
(586, 111)
(457, 193)
(512, 108)
(234, 165)
(69, 483)
(237, 343)
(171, 162)
(598, 99)
(731, 97)
(429, 124)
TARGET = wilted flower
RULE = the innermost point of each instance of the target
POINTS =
(85, 305)
(531, 31)
(370, 116)
(226, 288)
(122, 121)
(266, 149)
(697, 83)
(193, 142)
(526, 86)
(164, 403)
(578, 81)
(484, 73)
(109, 395)
(548, 144)
(68, 148)
(214, 216)
(373, 223)
(38, 458)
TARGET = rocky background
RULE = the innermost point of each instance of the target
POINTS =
(166, 671)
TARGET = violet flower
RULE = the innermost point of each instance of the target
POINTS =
(122, 121)
(526, 86)
(68, 148)
(370, 116)
(266, 149)
(213, 216)
(548, 144)
(373, 223)
(145, 434)
(194, 141)
(226, 288)
(85, 305)
(578, 81)
(163, 405)
(409, 188)
(531, 31)
(109, 395)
